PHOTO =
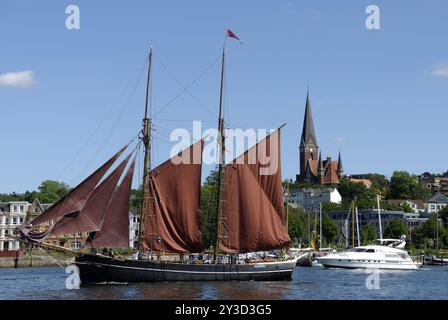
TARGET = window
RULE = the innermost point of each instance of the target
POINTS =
(21, 220)
(14, 208)
(6, 220)
(6, 232)
(21, 208)
(14, 220)
(75, 245)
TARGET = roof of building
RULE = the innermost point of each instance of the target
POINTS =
(438, 198)
(330, 171)
(365, 182)
(45, 206)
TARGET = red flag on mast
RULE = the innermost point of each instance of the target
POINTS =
(230, 34)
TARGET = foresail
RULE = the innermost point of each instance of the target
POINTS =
(172, 223)
(115, 228)
(90, 218)
(75, 200)
(251, 215)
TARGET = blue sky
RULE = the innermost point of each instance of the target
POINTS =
(379, 96)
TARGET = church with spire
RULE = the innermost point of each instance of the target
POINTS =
(314, 169)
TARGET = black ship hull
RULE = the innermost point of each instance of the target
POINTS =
(101, 269)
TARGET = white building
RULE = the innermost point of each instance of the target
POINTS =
(310, 199)
(12, 215)
(436, 203)
(134, 223)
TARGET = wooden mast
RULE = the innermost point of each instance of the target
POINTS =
(221, 146)
(147, 161)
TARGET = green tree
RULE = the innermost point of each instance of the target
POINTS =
(426, 235)
(443, 214)
(365, 197)
(209, 209)
(51, 191)
(379, 183)
(396, 229)
(368, 233)
(331, 206)
(297, 224)
(329, 229)
(405, 186)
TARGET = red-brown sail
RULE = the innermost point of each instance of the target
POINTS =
(75, 200)
(172, 223)
(115, 229)
(267, 169)
(90, 218)
(251, 215)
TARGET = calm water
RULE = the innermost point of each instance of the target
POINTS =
(307, 283)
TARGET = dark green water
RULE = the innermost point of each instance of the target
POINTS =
(308, 283)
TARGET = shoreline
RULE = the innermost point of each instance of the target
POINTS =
(38, 261)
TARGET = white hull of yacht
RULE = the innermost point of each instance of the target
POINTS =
(353, 264)
(370, 257)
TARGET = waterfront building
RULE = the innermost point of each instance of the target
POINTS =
(436, 203)
(344, 220)
(134, 224)
(12, 214)
(310, 199)
(313, 169)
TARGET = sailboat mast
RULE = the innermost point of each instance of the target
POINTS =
(147, 161)
(379, 218)
(353, 223)
(357, 226)
(320, 225)
(221, 146)
(287, 205)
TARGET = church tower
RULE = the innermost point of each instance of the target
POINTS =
(313, 168)
(308, 143)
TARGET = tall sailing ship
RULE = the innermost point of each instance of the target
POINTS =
(249, 209)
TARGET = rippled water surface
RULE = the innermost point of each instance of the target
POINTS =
(308, 283)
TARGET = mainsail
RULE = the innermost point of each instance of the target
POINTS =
(115, 228)
(252, 215)
(75, 200)
(172, 223)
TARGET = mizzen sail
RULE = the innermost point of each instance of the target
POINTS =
(251, 215)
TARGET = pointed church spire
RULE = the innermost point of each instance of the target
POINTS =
(340, 168)
(320, 167)
(308, 125)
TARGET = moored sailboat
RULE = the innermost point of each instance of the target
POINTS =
(250, 215)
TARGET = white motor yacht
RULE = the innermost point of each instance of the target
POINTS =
(372, 256)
